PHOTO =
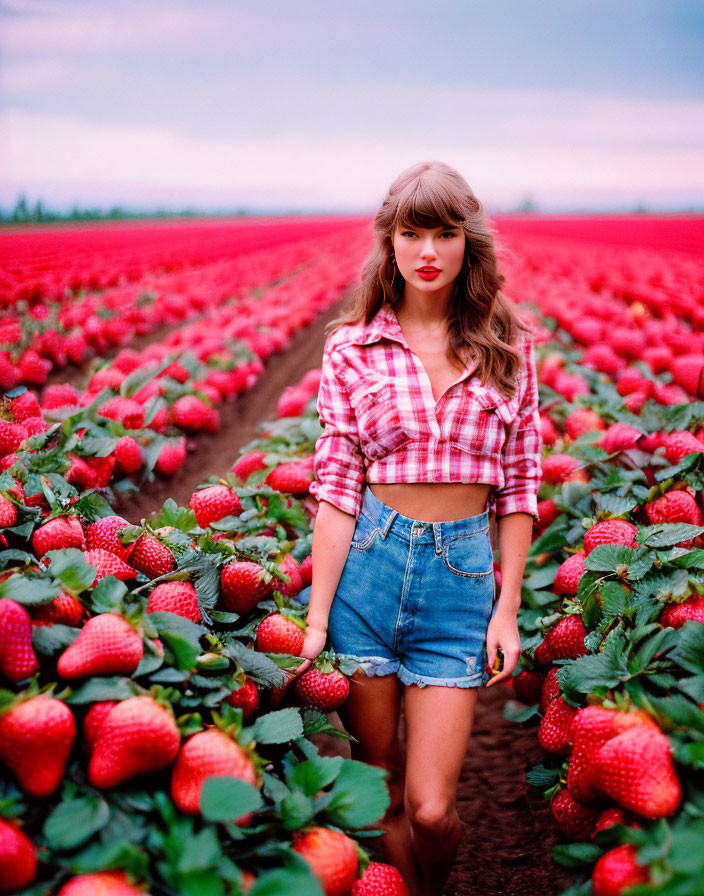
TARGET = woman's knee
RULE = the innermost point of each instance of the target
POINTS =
(431, 816)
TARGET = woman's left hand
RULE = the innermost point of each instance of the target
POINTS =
(503, 632)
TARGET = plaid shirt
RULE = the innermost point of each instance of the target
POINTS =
(381, 422)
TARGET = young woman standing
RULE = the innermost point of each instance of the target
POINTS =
(429, 405)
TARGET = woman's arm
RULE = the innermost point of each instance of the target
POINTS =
(332, 534)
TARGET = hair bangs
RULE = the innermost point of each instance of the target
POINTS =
(428, 203)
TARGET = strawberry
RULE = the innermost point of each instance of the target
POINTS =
(293, 478)
(528, 685)
(106, 563)
(18, 857)
(289, 566)
(549, 690)
(323, 690)
(171, 458)
(573, 819)
(17, 657)
(679, 444)
(11, 437)
(548, 512)
(33, 368)
(93, 721)
(332, 857)
(247, 464)
(610, 532)
(150, 556)
(213, 503)
(554, 729)
(676, 506)
(305, 571)
(107, 645)
(609, 817)
(675, 615)
(204, 755)
(564, 641)
(292, 402)
(548, 431)
(126, 411)
(64, 610)
(246, 698)
(568, 575)
(559, 468)
(24, 406)
(277, 633)
(193, 414)
(175, 597)
(101, 883)
(36, 737)
(59, 396)
(632, 380)
(80, 475)
(617, 871)
(103, 534)
(244, 585)
(128, 455)
(380, 879)
(57, 534)
(618, 437)
(138, 736)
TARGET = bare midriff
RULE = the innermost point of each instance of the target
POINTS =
(433, 502)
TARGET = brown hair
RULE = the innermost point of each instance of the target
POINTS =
(482, 322)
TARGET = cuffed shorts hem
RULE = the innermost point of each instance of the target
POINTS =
(373, 666)
(468, 681)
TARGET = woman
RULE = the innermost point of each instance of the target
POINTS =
(429, 404)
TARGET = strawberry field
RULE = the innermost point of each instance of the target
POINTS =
(155, 558)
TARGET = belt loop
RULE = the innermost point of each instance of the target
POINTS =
(437, 535)
(389, 522)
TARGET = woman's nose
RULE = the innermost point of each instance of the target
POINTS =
(428, 248)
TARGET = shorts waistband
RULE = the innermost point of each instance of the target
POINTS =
(390, 520)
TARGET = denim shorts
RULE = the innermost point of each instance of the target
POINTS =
(415, 598)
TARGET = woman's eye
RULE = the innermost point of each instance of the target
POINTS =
(449, 233)
(407, 233)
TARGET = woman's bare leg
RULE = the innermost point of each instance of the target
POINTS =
(438, 727)
(371, 714)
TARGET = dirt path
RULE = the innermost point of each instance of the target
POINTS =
(509, 830)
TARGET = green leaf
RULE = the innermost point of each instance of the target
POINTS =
(542, 777)
(573, 855)
(51, 640)
(97, 690)
(227, 799)
(691, 560)
(182, 518)
(315, 773)
(614, 504)
(278, 727)
(181, 635)
(93, 506)
(108, 596)
(608, 557)
(200, 851)
(98, 446)
(69, 566)
(515, 712)
(74, 821)
(257, 665)
(296, 810)
(359, 796)
(287, 882)
(29, 590)
(665, 534)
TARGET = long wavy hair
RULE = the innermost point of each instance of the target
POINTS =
(482, 322)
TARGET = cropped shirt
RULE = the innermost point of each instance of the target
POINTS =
(381, 422)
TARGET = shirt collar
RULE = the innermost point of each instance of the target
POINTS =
(384, 325)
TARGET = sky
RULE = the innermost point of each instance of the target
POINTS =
(317, 106)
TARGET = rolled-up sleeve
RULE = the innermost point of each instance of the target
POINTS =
(523, 448)
(338, 463)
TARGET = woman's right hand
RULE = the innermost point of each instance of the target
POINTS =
(313, 645)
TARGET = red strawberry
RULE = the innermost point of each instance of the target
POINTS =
(548, 432)
(679, 444)
(214, 503)
(325, 691)
(25, 406)
(676, 506)
(289, 567)
(11, 437)
(247, 464)
(332, 857)
(554, 730)
(59, 396)
(128, 455)
(575, 821)
(279, 634)
(610, 532)
(101, 883)
(246, 698)
(619, 437)
(380, 879)
(559, 468)
(175, 597)
(568, 575)
(36, 737)
(18, 858)
(93, 722)
(64, 610)
(138, 736)
(17, 657)
(305, 570)
(632, 380)
(528, 685)
(293, 478)
(106, 563)
(171, 458)
(675, 615)
(548, 512)
(617, 870)
(609, 817)
(292, 402)
(151, 557)
(564, 641)
(103, 534)
(107, 645)
(244, 585)
(207, 754)
(126, 411)
(57, 534)
(80, 475)
(193, 414)
(549, 690)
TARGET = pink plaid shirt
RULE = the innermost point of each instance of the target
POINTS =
(381, 422)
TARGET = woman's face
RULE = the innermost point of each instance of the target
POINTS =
(429, 259)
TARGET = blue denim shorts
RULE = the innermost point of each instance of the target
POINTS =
(415, 598)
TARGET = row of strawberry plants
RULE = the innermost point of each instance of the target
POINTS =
(611, 629)
(52, 335)
(148, 725)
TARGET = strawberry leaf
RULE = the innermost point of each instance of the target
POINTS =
(226, 799)
(296, 810)
(181, 635)
(359, 796)
(298, 880)
(74, 821)
(29, 590)
(69, 566)
(97, 690)
(574, 855)
(665, 534)
(278, 727)
(108, 596)
(51, 640)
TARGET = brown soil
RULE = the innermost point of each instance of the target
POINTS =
(509, 830)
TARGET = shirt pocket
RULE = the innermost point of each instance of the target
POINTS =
(486, 415)
(383, 426)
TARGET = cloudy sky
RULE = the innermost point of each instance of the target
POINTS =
(318, 104)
